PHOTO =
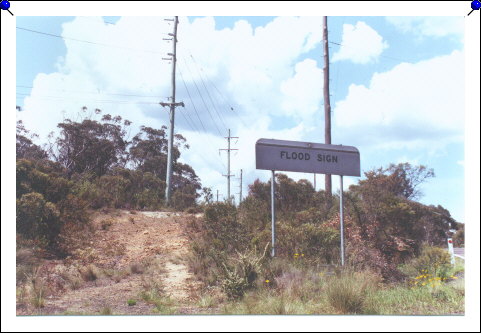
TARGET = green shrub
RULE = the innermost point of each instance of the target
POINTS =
(131, 302)
(241, 274)
(73, 210)
(44, 177)
(234, 285)
(184, 198)
(223, 227)
(254, 214)
(38, 219)
(148, 199)
(206, 261)
(117, 189)
(92, 193)
(458, 238)
(432, 261)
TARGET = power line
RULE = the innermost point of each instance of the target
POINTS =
(200, 155)
(61, 98)
(225, 99)
(99, 92)
(189, 121)
(383, 56)
(86, 41)
(202, 98)
(188, 93)
(208, 94)
(197, 114)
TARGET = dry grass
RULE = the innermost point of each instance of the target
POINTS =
(106, 311)
(26, 262)
(347, 291)
(207, 301)
(71, 277)
(89, 273)
(137, 268)
(37, 289)
(106, 224)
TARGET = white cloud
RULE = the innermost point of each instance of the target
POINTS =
(429, 26)
(411, 104)
(406, 159)
(303, 91)
(254, 70)
(246, 65)
(360, 44)
(257, 71)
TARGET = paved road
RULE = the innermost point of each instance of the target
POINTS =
(459, 252)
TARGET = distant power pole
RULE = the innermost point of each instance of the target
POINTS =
(217, 196)
(168, 189)
(240, 191)
(228, 164)
(327, 102)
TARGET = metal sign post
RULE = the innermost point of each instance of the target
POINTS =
(341, 224)
(282, 155)
(451, 250)
(273, 214)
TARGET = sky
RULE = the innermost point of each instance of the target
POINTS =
(395, 95)
(396, 85)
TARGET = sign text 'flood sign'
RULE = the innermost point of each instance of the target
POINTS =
(307, 157)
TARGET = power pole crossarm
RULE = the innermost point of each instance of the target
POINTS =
(172, 104)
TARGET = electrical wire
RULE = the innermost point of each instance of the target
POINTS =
(193, 105)
(383, 56)
(203, 101)
(195, 110)
(208, 94)
(99, 92)
(86, 41)
(218, 91)
(62, 98)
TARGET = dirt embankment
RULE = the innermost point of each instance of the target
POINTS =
(136, 256)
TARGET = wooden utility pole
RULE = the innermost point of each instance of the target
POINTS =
(168, 188)
(228, 164)
(327, 103)
(240, 192)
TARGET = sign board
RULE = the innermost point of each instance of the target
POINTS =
(307, 157)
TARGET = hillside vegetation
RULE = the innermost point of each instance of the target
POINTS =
(94, 236)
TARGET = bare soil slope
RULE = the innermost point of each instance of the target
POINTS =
(132, 254)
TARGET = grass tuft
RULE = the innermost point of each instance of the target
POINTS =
(89, 273)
